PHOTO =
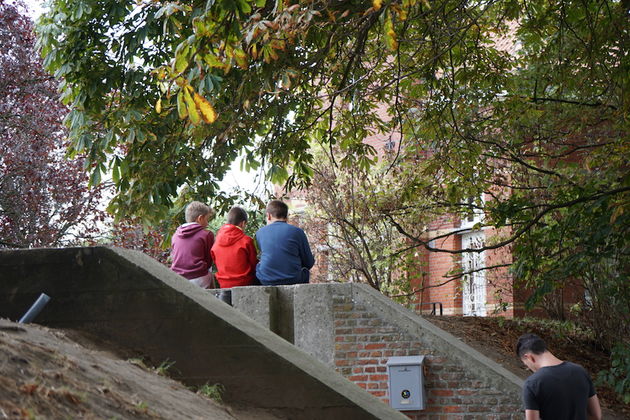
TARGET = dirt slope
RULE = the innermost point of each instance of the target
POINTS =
(496, 338)
(45, 375)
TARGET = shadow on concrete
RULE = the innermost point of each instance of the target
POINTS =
(126, 298)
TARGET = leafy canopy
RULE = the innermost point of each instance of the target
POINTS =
(44, 198)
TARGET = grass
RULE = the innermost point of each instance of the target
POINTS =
(164, 367)
(214, 392)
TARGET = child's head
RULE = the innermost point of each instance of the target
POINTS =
(277, 210)
(199, 213)
(236, 216)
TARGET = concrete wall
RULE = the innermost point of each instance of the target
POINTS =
(356, 330)
(130, 300)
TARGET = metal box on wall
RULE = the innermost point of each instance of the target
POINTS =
(406, 383)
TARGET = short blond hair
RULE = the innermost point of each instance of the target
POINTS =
(196, 209)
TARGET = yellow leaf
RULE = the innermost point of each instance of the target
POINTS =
(181, 106)
(390, 34)
(158, 106)
(241, 58)
(212, 60)
(377, 4)
(193, 114)
(208, 113)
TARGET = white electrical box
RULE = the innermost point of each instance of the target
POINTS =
(406, 383)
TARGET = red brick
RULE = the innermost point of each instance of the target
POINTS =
(375, 346)
(442, 392)
(360, 330)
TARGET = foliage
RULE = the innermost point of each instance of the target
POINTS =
(132, 234)
(523, 103)
(255, 220)
(214, 392)
(164, 368)
(618, 376)
(346, 216)
(44, 198)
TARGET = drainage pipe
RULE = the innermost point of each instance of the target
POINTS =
(37, 307)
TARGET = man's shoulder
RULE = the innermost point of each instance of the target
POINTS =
(279, 226)
(533, 378)
(560, 370)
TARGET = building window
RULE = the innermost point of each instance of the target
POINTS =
(474, 281)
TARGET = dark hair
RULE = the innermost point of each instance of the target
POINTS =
(530, 343)
(277, 209)
(236, 215)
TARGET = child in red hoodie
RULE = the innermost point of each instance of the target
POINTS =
(234, 253)
(191, 244)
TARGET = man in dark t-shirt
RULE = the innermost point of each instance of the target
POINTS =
(557, 390)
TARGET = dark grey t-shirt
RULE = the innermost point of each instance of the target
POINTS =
(559, 392)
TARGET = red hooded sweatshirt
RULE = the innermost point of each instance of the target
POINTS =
(234, 255)
(190, 250)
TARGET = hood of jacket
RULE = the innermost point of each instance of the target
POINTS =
(228, 235)
(188, 229)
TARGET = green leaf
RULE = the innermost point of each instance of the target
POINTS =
(181, 105)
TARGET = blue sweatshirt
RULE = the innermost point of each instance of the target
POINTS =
(284, 252)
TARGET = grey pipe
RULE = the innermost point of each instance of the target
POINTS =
(37, 307)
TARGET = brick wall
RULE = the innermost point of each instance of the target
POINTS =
(437, 266)
(364, 341)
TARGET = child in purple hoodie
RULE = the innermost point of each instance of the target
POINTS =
(191, 244)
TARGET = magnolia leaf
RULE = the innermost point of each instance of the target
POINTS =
(208, 113)
(158, 106)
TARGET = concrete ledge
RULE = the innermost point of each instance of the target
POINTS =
(313, 321)
(127, 298)
(257, 302)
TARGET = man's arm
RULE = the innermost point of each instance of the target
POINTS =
(532, 415)
(305, 252)
(593, 409)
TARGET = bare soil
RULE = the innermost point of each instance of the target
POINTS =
(45, 375)
(496, 339)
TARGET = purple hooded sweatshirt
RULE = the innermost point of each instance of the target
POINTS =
(190, 250)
